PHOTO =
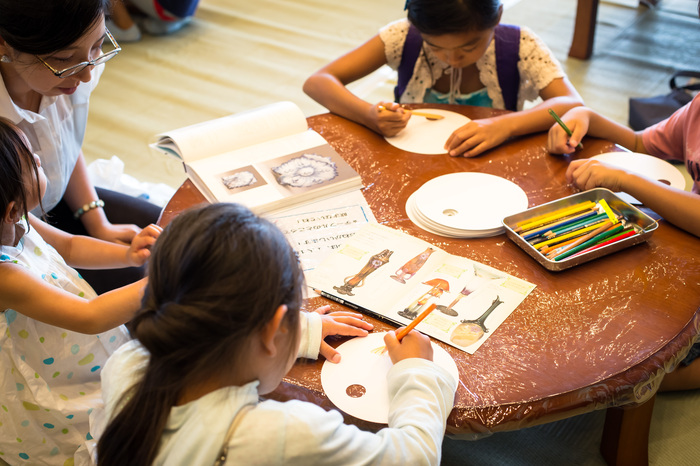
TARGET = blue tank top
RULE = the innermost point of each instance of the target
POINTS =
(478, 98)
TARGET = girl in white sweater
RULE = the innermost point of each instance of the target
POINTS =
(220, 326)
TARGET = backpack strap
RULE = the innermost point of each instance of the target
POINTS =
(409, 56)
(507, 42)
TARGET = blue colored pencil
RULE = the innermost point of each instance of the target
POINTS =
(575, 226)
(566, 221)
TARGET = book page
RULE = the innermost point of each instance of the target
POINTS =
(397, 276)
(276, 174)
(317, 229)
(232, 132)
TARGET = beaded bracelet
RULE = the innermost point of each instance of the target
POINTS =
(87, 207)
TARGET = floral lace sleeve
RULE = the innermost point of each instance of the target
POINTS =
(394, 35)
(537, 66)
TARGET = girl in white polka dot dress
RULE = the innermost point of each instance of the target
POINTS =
(55, 333)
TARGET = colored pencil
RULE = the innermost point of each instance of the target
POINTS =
(605, 226)
(611, 215)
(570, 234)
(564, 221)
(595, 239)
(588, 220)
(540, 220)
(404, 331)
(618, 237)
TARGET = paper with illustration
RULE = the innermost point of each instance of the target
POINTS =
(395, 276)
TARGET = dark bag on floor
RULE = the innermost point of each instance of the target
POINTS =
(647, 111)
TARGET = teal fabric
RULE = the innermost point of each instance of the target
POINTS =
(478, 98)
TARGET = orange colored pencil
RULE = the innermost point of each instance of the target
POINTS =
(404, 331)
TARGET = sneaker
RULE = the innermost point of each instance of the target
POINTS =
(157, 27)
(132, 34)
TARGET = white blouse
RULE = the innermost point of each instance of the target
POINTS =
(537, 66)
(56, 132)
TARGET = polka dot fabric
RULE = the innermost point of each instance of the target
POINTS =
(50, 376)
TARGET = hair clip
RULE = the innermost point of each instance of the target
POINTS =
(405, 7)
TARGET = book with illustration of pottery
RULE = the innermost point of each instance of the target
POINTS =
(394, 277)
(266, 159)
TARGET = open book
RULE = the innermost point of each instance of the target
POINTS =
(394, 277)
(266, 159)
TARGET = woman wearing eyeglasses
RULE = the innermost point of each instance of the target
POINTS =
(50, 57)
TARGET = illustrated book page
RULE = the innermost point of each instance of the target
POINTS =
(394, 276)
(266, 159)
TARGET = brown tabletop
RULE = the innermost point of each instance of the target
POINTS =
(599, 335)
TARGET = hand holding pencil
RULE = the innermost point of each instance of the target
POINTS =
(389, 118)
(566, 133)
(406, 344)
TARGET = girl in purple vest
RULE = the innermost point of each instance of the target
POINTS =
(452, 51)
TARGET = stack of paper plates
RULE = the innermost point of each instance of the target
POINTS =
(465, 205)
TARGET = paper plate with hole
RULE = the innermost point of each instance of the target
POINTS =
(426, 224)
(424, 136)
(644, 165)
(357, 384)
(470, 201)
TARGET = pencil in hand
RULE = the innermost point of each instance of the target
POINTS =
(405, 331)
(563, 126)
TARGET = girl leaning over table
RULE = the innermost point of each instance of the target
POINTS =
(220, 326)
(457, 52)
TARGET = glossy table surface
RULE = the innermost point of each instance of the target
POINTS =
(599, 335)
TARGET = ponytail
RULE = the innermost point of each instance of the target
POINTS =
(217, 274)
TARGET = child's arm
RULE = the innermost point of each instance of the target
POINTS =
(479, 135)
(318, 325)
(582, 121)
(679, 207)
(92, 253)
(28, 294)
(327, 87)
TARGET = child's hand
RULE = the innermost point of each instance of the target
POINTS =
(587, 174)
(477, 136)
(413, 345)
(577, 120)
(114, 233)
(389, 118)
(343, 323)
(140, 248)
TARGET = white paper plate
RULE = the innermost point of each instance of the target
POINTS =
(644, 165)
(359, 366)
(470, 200)
(426, 224)
(425, 136)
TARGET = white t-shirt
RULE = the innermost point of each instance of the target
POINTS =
(56, 132)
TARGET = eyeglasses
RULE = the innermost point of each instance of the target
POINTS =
(75, 69)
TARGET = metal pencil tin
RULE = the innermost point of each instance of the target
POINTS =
(641, 222)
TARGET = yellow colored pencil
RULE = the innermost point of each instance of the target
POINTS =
(535, 222)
